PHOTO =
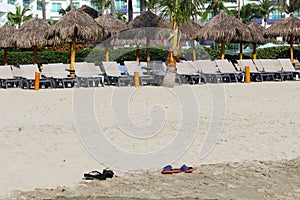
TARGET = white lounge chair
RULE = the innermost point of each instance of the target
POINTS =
(7, 78)
(28, 75)
(226, 67)
(209, 72)
(58, 74)
(188, 72)
(88, 74)
(113, 74)
(288, 68)
(255, 75)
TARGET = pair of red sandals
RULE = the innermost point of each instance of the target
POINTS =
(169, 170)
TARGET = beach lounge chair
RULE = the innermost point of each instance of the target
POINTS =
(134, 66)
(254, 74)
(88, 74)
(226, 67)
(188, 72)
(58, 74)
(265, 75)
(113, 74)
(209, 72)
(7, 78)
(289, 69)
(28, 75)
(274, 67)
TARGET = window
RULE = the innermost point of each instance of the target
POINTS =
(276, 15)
(39, 5)
(120, 4)
(1, 1)
(56, 7)
(137, 5)
(76, 4)
(11, 2)
(25, 3)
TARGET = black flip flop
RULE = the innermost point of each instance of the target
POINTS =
(94, 175)
(108, 173)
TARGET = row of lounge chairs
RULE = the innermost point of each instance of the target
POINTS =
(51, 75)
(201, 71)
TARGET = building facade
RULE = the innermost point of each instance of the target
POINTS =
(53, 7)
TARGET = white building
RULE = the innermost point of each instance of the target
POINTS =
(53, 7)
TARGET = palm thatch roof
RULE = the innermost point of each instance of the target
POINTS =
(90, 11)
(148, 19)
(224, 27)
(75, 24)
(31, 34)
(111, 24)
(288, 28)
(257, 32)
(6, 32)
(190, 29)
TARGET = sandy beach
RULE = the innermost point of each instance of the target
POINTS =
(243, 140)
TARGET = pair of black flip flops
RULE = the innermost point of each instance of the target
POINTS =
(96, 175)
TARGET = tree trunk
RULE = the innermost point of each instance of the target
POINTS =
(102, 7)
(71, 4)
(130, 10)
(44, 9)
(142, 6)
(113, 8)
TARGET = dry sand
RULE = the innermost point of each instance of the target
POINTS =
(46, 141)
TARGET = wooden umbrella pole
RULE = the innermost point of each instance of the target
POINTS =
(222, 50)
(193, 50)
(254, 51)
(148, 50)
(35, 61)
(292, 50)
(241, 51)
(5, 57)
(72, 60)
(137, 53)
(106, 51)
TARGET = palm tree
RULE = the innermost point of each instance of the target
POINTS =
(103, 4)
(249, 12)
(288, 7)
(16, 19)
(142, 6)
(130, 10)
(266, 7)
(64, 11)
(113, 7)
(44, 9)
(214, 7)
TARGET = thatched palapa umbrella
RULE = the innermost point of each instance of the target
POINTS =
(32, 34)
(113, 26)
(190, 30)
(257, 36)
(224, 28)
(146, 20)
(74, 25)
(288, 28)
(6, 32)
(90, 11)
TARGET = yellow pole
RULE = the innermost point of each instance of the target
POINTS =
(241, 51)
(193, 50)
(35, 61)
(37, 81)
(137, 53)
(291, 50)
(5, 57)
(222, 50)
(254, 51)
(72, 60)
(106, 51)
(136, 79)
(247, 74)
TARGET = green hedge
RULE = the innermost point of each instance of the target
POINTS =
(156, 53)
